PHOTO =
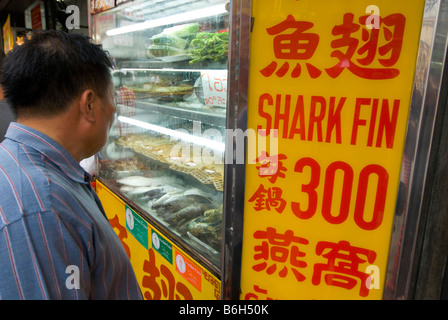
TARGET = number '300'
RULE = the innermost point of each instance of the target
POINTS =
(346, 195)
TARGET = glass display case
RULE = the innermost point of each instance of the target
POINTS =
(165, 153)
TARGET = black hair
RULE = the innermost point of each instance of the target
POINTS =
(45, 74)
(2, 57)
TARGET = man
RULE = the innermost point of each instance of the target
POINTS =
(55, 241)
(6, 115)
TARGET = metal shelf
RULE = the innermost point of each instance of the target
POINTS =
(208, 116)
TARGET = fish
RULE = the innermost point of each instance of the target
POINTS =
(205, 233)
(126, 189)
(153, 194)
(213, 216)
(164, 181)
(143, 190)
(158, 204)
(200, 228)
(190, 212)
(135, 181)
(179, 202)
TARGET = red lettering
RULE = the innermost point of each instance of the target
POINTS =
(309, 188)
(316, 119)
(372, 122)
(357, 121)
(387, 124)
(346, 192)
(266, 97)
(380, 199)
(347, 184)
(299, 115)
(343, 265)
(279, 116)
(334, 119)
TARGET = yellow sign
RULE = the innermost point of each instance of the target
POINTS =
(163, 270)
(8, 37)
(332, 81)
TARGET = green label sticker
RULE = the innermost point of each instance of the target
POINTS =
(163, 247)
(137, 226)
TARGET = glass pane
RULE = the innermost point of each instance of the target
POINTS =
(165, 153)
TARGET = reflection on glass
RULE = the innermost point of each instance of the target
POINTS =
(165, 152)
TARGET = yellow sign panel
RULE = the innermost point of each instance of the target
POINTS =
(163, 271)
(8, 37)
(330, 85)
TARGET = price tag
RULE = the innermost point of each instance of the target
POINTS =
(97, 6)
(214, 84)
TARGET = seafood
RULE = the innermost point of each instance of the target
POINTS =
(200, 228)
(160, 148)
(207, 228)
(126, 189)
(148, 190)
(129, 164)
(152, 194)
(188, 213)
(213, 216)
(160, 202)
(143, 190)
(178, 201)
(206, 233)
(136, 181)
(178, 208)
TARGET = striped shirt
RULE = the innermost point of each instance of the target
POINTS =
(55, 240)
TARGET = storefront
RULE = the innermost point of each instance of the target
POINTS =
(272, 149)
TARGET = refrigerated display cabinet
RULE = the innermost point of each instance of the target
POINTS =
(164, 159)
(172, 178)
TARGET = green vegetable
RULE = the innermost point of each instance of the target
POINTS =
(164, 51)
(169, 40)
(183, 30)
(209, 47)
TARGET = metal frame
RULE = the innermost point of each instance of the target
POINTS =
(234, 174)
(423, 111)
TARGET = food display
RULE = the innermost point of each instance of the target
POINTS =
(163, 86)
(208, 169)
(171, 44)
(162, 158)
(192, 212)
(208, 46)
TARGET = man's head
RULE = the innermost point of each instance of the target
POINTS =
(44, 75)
(57, 82)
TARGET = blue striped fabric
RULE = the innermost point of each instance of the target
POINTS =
(52, 224)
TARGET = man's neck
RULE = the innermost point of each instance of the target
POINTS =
(60, 128)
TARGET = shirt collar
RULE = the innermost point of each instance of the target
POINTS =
(50, 149)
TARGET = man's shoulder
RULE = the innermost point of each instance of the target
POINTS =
(24, 182)
(18, 161)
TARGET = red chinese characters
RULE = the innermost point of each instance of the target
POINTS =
(258, 294)
(271, 166)
(368, 53)
(297, 45)
(168, 286)
(370, 47)
(122, 233)
(266, 198)
(343, 262)
(345, 265)
(371, 177)
(281, 249)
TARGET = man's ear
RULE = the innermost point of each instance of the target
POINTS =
(87, 105)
